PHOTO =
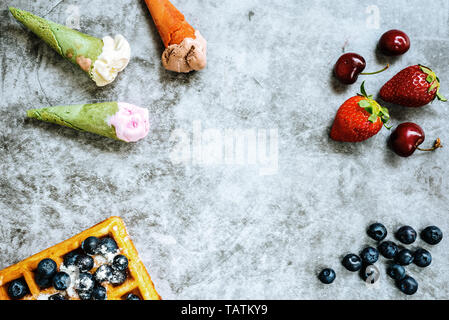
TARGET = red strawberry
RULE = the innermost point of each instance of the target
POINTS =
(359, 118)
(414, 86)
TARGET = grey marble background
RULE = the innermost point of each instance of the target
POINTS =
(223, 231)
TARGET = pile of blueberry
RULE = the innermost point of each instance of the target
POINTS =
(80, 262)
(399, 256)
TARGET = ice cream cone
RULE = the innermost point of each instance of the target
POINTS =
(79, 48)
(170, 22)
(116, 120)
(185, 47)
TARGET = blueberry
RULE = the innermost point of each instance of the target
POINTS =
(107, 245)
(326, 276)
(388, 249)
(42, 282)
(377, 231)
(423, 258)
(85, 282)
(84, 262)
(370, 274)
(46, 268)
(432, 235)
(70, 258)
(90, 245)
(84, 294)
(396, 271)
(406, 234)
(404, 257)
(120, 262)
(369, 255)
(118, 277)
(408, 285)
(99, 293)
(103, 273)
(61, 281)
(352, 262)
(132, 296)
(56, 296)
(17, 289)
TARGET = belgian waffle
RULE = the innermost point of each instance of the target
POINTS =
(138, 281)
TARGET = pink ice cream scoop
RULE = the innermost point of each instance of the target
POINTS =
(131, 122)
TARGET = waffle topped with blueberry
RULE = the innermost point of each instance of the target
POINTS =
(100, 263)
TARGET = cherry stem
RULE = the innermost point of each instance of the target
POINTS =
(371, 73)
(436, 145)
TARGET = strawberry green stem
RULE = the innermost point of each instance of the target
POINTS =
(373, 108)
(436, 145)
(371, 73)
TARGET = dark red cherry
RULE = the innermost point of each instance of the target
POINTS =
(349, 66)
(407, 137)
(394, 43)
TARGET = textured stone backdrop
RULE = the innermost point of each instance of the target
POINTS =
(225, 231)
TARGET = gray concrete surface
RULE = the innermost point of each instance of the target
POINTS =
(227, 231)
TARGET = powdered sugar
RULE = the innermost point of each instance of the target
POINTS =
(73, 272)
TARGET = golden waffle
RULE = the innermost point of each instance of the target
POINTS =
(137, 282)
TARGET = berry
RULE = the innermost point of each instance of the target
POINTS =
(118, 277)
(132, 296)
(61, 281)
(404, 257)
(369, 255)
(358, 119)
(370, 274)
(85, 282)
(388, 249)
(406, 234)
(396, 271)
(46, 268)
(377, 231)
(56, 296)
(394, 43)
(407, 137)
(349, 66)
(432, 235)
(107, 245)
(90, 245)
(352, 262)
(99, 293)
(84, 262)
(84, 294)
(414, 87)
(120, 262)
(326, 276)
(17, 289)
(42, 282)
(70, 258)
(422, 258)
(408, 285)
(103, 273)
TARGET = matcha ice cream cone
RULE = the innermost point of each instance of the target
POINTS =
(101, 59)
(115, 120)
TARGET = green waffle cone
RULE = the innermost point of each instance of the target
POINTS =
(84, 117)
(75, 46)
